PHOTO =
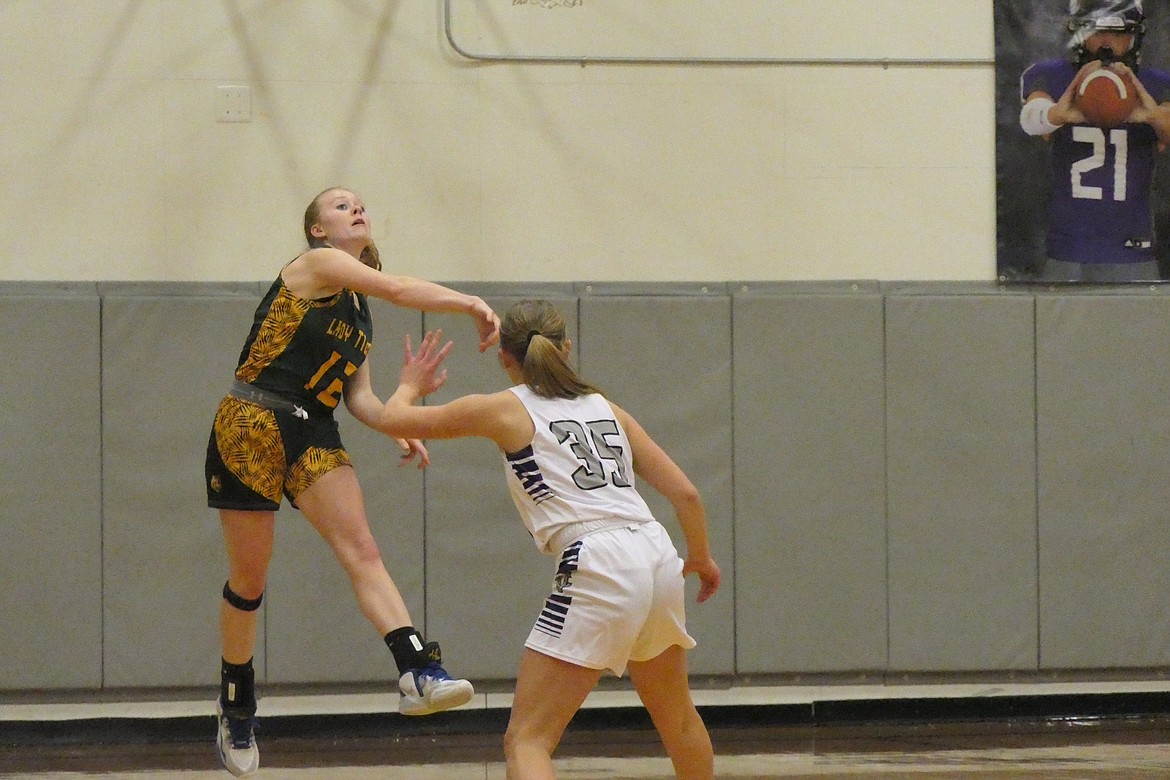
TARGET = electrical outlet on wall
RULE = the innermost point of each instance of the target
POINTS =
(233, 104)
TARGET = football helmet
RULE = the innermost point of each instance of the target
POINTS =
(1086, 17)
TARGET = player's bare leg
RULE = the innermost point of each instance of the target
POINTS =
(548, 693)
(248, 538)
(334, 505)
(663, 686)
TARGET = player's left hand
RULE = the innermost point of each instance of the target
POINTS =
(420, 371)
(1143, 112)
(412, 448)
(1148, 111)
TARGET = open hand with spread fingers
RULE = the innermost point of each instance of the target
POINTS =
(420, 371)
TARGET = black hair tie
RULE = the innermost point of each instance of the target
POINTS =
(531, 333)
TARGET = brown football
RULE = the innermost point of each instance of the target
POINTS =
(1106, 97)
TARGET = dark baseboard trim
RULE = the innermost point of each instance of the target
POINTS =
(828, 713)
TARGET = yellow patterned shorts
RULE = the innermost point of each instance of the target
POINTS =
(256, 454)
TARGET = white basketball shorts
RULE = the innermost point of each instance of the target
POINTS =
(618, 596)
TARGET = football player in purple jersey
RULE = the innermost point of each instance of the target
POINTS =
(1100, 220)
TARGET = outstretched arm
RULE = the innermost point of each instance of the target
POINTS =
(365, 406)
(323, 271)
(500, 417)
(653, 464)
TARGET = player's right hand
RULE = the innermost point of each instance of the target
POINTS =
(709, 575)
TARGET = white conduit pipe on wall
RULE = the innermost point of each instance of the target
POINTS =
(825, 19)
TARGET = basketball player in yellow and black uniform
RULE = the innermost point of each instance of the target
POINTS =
(275, 435)
(272, 416)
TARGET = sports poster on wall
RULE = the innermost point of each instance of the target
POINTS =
(1082, 195)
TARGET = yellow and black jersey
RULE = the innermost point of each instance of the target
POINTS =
(305, 350)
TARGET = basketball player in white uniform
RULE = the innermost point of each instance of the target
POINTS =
(618, 599)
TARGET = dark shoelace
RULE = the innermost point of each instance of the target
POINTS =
(241, 731)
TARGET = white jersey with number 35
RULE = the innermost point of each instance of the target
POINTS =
(578, 468)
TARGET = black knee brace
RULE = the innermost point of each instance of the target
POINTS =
(238, 601)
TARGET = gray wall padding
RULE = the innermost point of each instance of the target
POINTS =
(899, 479)
(809, 481)
(166, 362)
(486, 582)
(666, 359)
(961, 482)
(50, 531)
(1103, 434)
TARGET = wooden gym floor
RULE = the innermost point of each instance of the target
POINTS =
(939, 732)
